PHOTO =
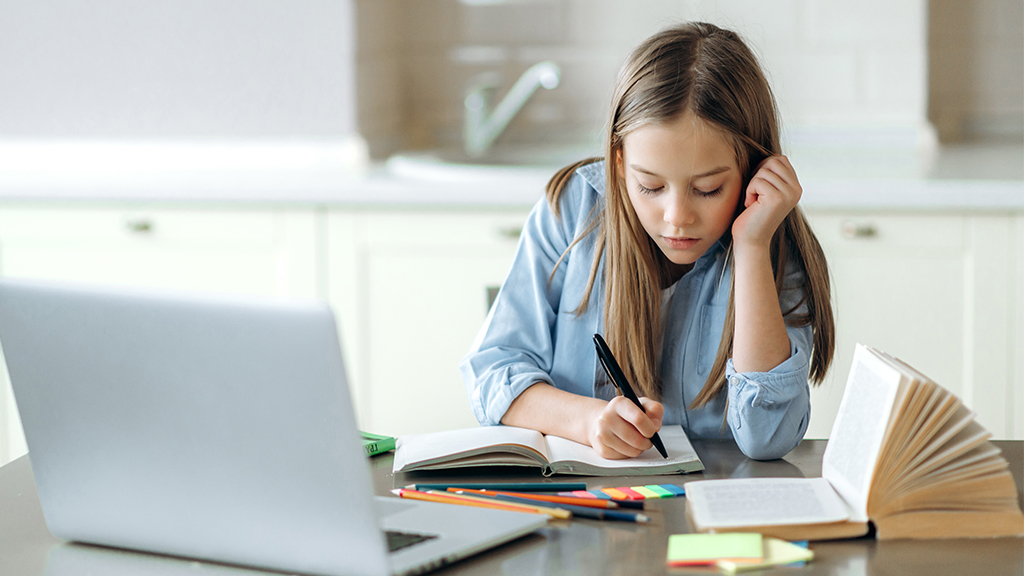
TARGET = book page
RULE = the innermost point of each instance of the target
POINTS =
(415, 450)
(739, 502)
(678, 446)
(852, 451)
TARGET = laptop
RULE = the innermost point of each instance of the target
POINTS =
(212, 427)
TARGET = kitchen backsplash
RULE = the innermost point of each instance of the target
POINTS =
(976, 76)
(843, 72)
(177, 69)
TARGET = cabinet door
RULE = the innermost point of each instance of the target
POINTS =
(423, 286)
(254, 252)
(929, 289)
(1017, 331)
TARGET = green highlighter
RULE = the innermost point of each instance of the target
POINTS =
(374, 444)
(707, 549)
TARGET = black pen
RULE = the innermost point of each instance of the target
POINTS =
(604, 353)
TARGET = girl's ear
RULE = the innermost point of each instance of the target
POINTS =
(618, 160)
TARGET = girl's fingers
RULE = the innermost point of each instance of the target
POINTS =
(772, 181)
(616, 447)
(655, 411)
(624, 430)
(609, 437)
(639, 426)
(783, 172)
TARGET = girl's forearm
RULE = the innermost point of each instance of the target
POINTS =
(761, 341)
(549, 410)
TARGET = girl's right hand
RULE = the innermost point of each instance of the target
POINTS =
(622, 430)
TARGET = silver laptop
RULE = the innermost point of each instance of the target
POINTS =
(215, 428)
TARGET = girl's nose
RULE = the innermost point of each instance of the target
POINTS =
(679, 209)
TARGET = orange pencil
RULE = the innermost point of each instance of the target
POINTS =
(480, 503)
(550, 510)
(590, 503)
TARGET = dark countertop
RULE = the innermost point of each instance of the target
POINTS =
(563, 547)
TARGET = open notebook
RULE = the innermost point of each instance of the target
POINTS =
(513, 446)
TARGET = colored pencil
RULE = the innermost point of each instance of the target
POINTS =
(510, 486)
(446, 499)
(588, 502)
(553, 511)
(583, 511)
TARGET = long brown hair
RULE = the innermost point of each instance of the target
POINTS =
(702, 69)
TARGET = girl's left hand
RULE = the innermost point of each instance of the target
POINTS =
(772, 193)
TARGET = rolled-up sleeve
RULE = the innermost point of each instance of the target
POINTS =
(515, 346)
(769, 411)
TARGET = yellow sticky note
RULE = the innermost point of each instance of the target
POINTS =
(776, 553)
(705, 549)
(645, 491)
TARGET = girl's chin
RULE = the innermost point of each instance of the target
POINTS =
(681, 257)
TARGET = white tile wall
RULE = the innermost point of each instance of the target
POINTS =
(176, 69)
(859, 69)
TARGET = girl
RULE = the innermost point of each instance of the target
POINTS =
(686, 249)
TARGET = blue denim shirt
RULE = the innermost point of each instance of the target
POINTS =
(532, 334)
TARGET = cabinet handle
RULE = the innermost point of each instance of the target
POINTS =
(854, 230)
(139, 225)
(510, 232)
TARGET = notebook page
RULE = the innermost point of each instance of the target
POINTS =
(852, 451)
(676, 444)
(739, 502)
(413, 449)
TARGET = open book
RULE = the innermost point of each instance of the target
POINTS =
(512, 446)
(904, 454)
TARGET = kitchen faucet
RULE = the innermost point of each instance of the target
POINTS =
(480, 130)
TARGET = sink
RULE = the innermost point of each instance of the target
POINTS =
(454, 165)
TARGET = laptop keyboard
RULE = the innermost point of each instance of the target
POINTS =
(399, 540)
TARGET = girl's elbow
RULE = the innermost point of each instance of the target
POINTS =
(773, 445)
(763, 450)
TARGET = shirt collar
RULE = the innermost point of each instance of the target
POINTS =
(594, 175)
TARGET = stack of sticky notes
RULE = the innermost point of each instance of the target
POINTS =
(630, 492)
(733, 552)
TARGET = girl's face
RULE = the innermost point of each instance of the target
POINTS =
(684, 184)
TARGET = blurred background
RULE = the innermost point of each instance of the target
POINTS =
(383, 154)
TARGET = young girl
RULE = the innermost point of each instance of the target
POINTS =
(685, 248)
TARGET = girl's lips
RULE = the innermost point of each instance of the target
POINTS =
(681, 243)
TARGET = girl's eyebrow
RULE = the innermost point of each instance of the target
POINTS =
(711, 172)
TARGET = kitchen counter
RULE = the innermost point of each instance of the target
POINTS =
(961, 178)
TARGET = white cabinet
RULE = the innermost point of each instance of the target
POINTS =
(413, 302)
(934, 290)
(260, 252)
(409, 286)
